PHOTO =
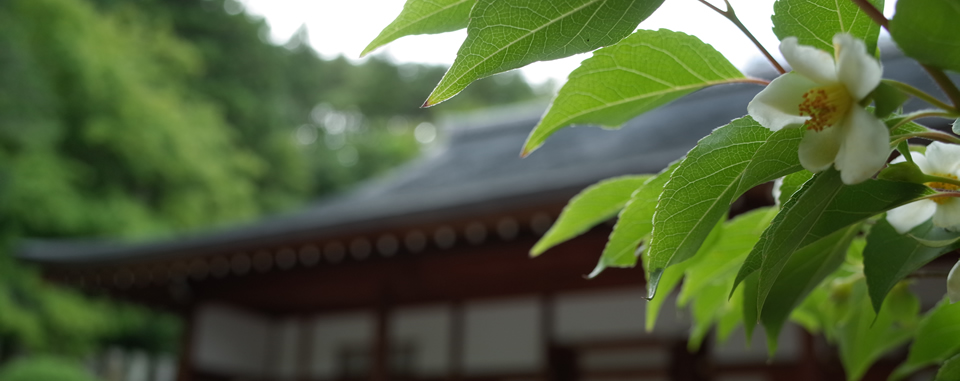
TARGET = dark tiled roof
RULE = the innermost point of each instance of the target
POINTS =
(477, 169)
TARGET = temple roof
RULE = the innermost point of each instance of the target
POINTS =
(476, 168)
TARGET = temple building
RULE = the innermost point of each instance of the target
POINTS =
(425, 274)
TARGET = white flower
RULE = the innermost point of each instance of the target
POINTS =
(776, 192)
(940, 160)
(822, 95)
(953, 283)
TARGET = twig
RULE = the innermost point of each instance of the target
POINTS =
(921, 95)
(925, 114)
(938, 75)
(729, 14)
(928, 274)
(931, 135)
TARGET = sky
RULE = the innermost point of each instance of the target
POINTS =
(345, 27)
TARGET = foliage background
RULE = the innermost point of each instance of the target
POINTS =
(144, 119)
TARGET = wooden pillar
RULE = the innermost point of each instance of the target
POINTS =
(687, 366)
(185, 361)
(808, 368)
(381, 343)
(457, 334)
(546, 337)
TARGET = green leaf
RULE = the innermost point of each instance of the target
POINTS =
(950, 370)
(720, 264)
(730, 317)
(672, 276)
(805, 269)
(809, 314)
(792, 183)
(890, 257)
(750, 314)
(938, 338)
(887, 99)
(700, 191)
(424, 17)
(815, 22)
(593, 205)
(956, 126)
(927, 30)
(906, 128)
(645, 70)
(863, 336)
(667, 280)
(777, 157)
(633, 224)
(827, 305)
(820, 310)
(822, 206)
(706, 308)
(507, 34)
(707, 280)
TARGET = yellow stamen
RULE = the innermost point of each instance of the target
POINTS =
(943, 186)
(825, 106)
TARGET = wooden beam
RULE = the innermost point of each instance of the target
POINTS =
(496, 269)
(381, 342)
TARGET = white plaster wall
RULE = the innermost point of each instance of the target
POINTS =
(165, 368)
(138, 366)
(428, 330)
(737, 350)
(672, 322)
(287, 340)
(331, 333)
(502, 336)
(230, 341)
(599, 315)
(610, 315)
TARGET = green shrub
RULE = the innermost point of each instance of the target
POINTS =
(44, 368)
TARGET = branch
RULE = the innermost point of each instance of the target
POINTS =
(948, 87)
(729, 14)
(873, 13)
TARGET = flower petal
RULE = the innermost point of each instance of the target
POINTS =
(856, 69)
(944, 159)
(865, 148)
(907, 217)
(778, 105)
(809, 62)
(953, 283)
(948, 214)
(819, 149)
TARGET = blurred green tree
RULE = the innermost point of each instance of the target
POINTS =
(134, 119)
(45, 368)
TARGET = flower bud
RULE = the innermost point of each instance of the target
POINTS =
(904, 171)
